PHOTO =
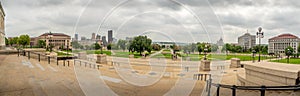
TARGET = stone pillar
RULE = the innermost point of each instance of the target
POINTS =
(101, 58)
(82, 55)
(205, 65)
(235, 63)
(131, 56)
(174, 56)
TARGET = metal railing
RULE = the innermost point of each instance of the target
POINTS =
(87, 63)
(262, 88)
(234, 88)
(44, 57)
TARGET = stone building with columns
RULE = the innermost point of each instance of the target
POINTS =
(278, 43)
(58, 40)
(2, 29)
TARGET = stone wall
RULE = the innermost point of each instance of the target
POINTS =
(257, 75)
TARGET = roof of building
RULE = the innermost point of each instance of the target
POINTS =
(284, 36)
(55, 34)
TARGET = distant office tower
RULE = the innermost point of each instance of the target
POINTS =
(93, 36)
(83, 38)
(98, 37)
(76, 37)
(104, 42)
(109, 36)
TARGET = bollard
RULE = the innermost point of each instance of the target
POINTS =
(64, 62)
(233, 88)
(262, 90)
(68, 63)
(28, 55)
(218, 90)
(48, 60)
(39, 57)
(57, 62)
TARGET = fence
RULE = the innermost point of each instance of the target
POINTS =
(87, 64)
(40, 56)
(234, 88)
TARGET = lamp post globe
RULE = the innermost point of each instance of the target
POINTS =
(259, 29)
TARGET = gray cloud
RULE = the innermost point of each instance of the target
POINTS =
(198, 19)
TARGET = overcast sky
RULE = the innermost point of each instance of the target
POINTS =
(161, 20)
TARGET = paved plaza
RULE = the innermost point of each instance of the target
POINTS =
(21, 76)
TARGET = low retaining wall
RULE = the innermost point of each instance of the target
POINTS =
(259, 74)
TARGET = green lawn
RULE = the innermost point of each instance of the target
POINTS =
(61, 54)
(107, 52)
(196, 57)
(292, 61)
(126, 54)
(241, 57)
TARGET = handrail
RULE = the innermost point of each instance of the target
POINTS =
(262, 88)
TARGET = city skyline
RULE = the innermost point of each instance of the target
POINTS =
(236, 17)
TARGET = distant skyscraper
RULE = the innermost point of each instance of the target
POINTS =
(83, 38)
(76, 37)
(93, 36)
(109, 36)
(104, 40)
(98, 37)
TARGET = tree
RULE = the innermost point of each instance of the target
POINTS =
(122, 44)
(228, 47)
(6, 41)
(238, 49)
(140, 44)
(13, 41)
(175, 48)
(97, 46)
(291, 50)
(264, 49)
(156, 47)
(24, 40)
(41, 44)
(200, 48)
(109, 46)
(214, 48)
(76, 45)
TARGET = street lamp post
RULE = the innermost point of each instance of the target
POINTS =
(259, 35)
(253, 55)
(288, 54)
